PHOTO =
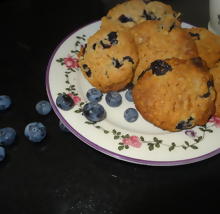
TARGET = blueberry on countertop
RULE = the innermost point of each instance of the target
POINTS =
(94, 95)
(7, 136)
(43, 107)
(5, 102)
(35, 131)
(94, 112)
(113, 99)
(64, 102)
(62, 127)
(2, 153)
(131, 115)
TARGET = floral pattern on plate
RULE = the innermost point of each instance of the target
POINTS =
(113, 136)
(125, 141)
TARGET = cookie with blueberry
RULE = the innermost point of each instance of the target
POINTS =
(154, 43)
(175, 94)
(208, 44)
(109, 59)
(215, 71)
(130, 13)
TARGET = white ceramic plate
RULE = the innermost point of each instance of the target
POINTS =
(139, 142)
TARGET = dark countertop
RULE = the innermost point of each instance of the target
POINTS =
(62, 174)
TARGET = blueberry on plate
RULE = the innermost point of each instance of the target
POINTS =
(43, 107)
(7, 136)
(35, 132)
(113, 99)
(128, 95)
(64, 102)
(94, 112)
(5, 102)
(131, 115)
(62, 127)
(2, 153)
(94, 95)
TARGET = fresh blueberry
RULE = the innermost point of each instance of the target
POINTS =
(2, 153)
(131, 114)
(94, 112)
(113, 99)
(128, 95)
(43, 107)
(7, 136)
(62, 127)
(35, 131)
(64, 102)
(5, 102)
(94, 95)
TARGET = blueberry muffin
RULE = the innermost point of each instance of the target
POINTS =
(208, 44)
(154, 43)
(215, 71)
(109, 59)
(175, 94)
(130, 13)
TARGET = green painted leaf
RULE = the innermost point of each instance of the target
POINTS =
(90, 122)
(193, 146)
(187, 143)
(142, 138)
(172, 147)
(120, 148)
(184, 147)
(125, 136)
(114, 131)
(79, 111)
(198, 139)
(201, 129)
(150, 146)
(157, 144)
(116, 137)
(156, 140)
(106, 131)
(126, 146)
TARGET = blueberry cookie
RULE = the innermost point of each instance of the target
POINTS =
(154, 43)
(215, 71)
(175, 94)
(130, 13)
(109, 59)
(208, 44)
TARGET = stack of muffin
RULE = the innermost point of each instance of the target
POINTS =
(175, 71)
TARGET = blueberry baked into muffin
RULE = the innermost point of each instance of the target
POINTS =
(154, 43)
(109, 59)
(175, 94)
(130, 13)
(208, 44)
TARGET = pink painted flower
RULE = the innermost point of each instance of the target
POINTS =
(75, 99)
(71, 62)
(132, 141)
(215, 120)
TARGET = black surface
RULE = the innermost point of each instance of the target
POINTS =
(62, 174)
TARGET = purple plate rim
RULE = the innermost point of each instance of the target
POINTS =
(101, 149)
